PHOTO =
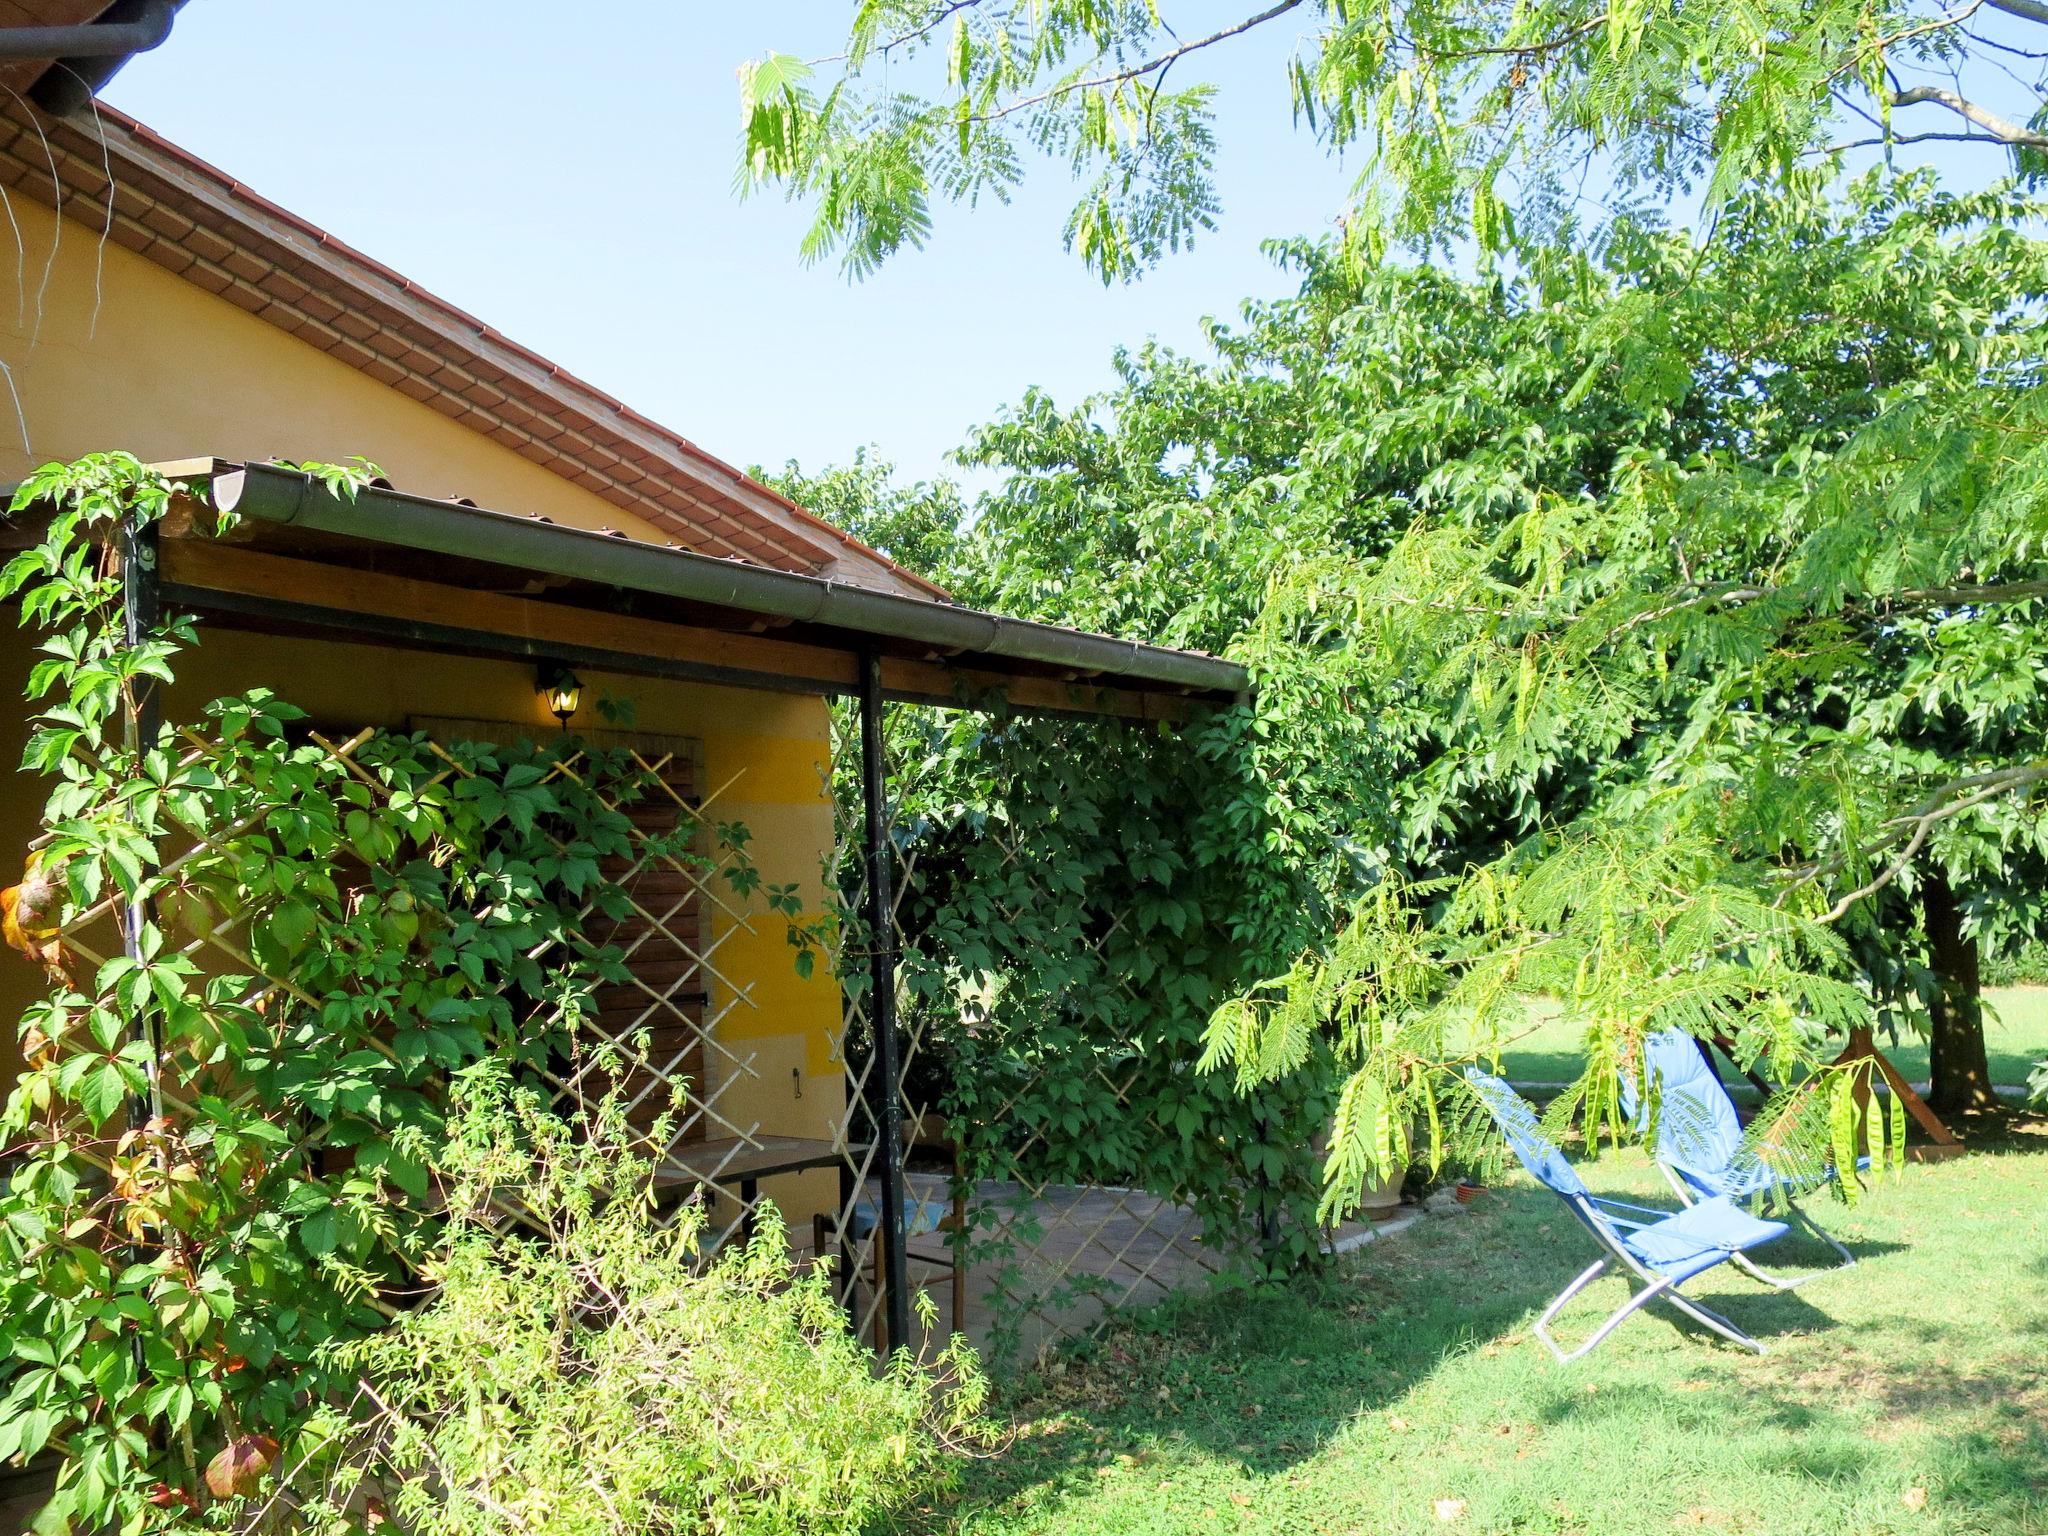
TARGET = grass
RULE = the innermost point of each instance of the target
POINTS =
(1405, 1394)
(2015, 1037)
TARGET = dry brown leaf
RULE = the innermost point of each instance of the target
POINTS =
(240, 1466)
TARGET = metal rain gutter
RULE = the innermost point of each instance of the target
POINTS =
(274, 494)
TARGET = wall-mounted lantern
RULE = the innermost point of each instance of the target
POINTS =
(561, 689)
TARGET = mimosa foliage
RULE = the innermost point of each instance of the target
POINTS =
(1491, 120)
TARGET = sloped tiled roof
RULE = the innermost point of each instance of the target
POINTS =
(198, 222)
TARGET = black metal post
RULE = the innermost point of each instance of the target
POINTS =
(141, 611)
(141, 608)
(874, 784)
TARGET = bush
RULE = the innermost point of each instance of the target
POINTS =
(2026, 966)
(581, 1371)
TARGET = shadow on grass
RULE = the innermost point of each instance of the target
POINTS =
(1262, 1377)
(1267, 1379)
(1225, 1395)
(1990, 1457)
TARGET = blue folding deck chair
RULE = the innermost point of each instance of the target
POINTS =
(1699, 1143)
(1663, 1249)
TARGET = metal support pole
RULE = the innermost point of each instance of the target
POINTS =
(141, 610)
(874, 783)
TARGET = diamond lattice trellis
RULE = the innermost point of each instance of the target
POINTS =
(1059, 1224)
(654, 1036)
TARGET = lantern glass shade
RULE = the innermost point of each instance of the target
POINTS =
(562, 690)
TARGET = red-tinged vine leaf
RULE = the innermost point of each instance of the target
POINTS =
(163, 1496)
(240, 1466)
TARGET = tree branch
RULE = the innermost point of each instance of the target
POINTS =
(1913, 829)
(1539, 47)
(2026, 10)
(1878, 47)
(1139, 71)
(1887, 604)
(1964, 595)
(1911, 138)
(918, 33)
(2002, 129)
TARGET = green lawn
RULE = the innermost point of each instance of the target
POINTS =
(1406, 1394)
(2015, 1037)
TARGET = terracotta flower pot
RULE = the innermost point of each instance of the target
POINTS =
(1467, 1193)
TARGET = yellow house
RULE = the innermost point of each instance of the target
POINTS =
(526, 521)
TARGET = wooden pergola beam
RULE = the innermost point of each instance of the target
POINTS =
(261, 588)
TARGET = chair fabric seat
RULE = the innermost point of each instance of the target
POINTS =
(920, 1217)
(1699, 1237)
(1664, 1252)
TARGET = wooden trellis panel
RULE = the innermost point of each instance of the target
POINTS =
(661, 1022)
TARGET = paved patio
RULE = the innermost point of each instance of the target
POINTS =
(1061, 1259)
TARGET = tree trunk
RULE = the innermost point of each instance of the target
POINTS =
(1960, 1072)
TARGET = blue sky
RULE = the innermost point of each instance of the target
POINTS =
(570, 181)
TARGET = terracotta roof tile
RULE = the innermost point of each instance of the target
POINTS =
(205, 275)
(321, 308)
(348, 350)
(207, 245)
(283, 316)
(353, 323)
(174, 257)
(245, 296)
(129, 202)
(242, 264)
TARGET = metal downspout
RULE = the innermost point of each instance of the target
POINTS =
(87, 56)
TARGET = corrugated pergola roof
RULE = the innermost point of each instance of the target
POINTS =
(401, 569)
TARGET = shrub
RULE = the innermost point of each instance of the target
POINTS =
(2024, 966)
(582, 1371)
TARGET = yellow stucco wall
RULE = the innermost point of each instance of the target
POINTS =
(114, 352)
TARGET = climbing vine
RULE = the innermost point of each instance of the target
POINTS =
(1074, 902)
(268, 951)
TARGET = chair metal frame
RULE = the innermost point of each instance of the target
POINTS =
(1609, 1222)
(1596, 1216)
(1687, 1131)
